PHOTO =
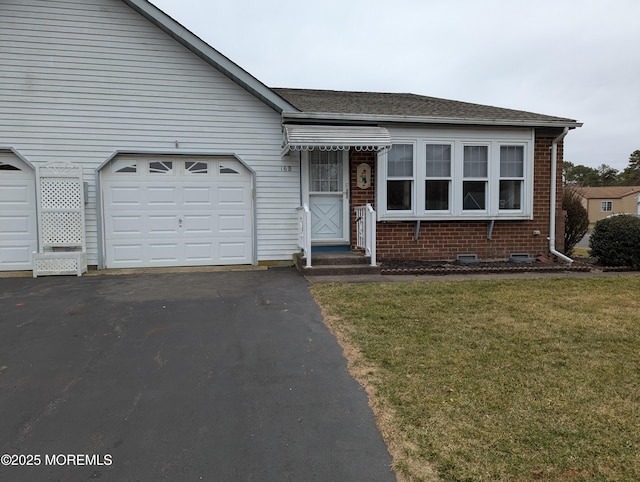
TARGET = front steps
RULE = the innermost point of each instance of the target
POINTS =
(335, 264)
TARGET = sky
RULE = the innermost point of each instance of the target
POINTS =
(578, 59)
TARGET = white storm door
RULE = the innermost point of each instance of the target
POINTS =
(328, 196)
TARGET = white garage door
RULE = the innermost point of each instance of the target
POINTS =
(18, 238)
(177, 212)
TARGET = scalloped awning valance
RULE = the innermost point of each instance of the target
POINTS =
(335, 138)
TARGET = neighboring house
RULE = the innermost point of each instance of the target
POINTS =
(189, 160)
(601, 202)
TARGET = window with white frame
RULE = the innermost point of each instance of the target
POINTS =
(511, 176)
(478, 177)
(400, 177)
(476, 172)
(606, 206)
(437, 185)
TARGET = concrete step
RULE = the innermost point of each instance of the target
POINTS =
(336, 264)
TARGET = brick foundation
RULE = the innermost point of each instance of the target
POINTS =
(445, 240)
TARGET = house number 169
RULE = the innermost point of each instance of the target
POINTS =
(285, 168)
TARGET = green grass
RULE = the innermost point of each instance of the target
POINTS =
(499, 380)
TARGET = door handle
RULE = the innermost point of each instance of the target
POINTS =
(179, 222)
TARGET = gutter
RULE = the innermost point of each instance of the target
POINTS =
(552, 212)
(345, 118)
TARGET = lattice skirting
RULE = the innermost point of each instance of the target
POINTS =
(45, 264)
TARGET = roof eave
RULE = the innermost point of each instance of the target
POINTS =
(392, 119)
(210, 55)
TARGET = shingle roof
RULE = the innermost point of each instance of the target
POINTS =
(405, 105)
(608, 192)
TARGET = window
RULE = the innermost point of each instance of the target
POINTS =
(325, 171)
(230, 167)
(456, 173)
(124, 166)
(438, 177)
(196, 167)
(511, 176)
(160, 167)
(474, 186)
(606, 206)
(400, 177)
(5, 166)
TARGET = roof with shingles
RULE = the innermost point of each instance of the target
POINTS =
(608, 192)
(404, 105)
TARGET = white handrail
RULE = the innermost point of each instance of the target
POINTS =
(304, 232)
(366, 231)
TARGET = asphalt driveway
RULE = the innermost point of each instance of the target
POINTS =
(182, 376)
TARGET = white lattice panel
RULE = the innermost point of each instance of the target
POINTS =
(59, 264)
(62, 228)
(60, 193)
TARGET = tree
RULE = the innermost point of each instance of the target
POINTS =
(580, 175)
(577, 219)
(608, 175)
(631, 175)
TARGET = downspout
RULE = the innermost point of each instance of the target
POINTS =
(552, 212)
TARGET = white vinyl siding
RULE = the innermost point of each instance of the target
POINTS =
(82, 79)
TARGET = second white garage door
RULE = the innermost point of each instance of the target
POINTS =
(177, 212)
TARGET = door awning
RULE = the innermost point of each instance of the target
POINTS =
(335, 138)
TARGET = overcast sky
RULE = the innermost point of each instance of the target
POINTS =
(570, 58)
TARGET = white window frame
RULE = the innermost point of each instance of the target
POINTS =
(412, 179)
(448, 179)
(458, 138)
(520, 179)
(606, 204)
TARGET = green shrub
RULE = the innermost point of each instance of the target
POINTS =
(577, 220)
(616, 241)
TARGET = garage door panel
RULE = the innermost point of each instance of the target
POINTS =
(199, 252)
(163, 252)
(233, 251)
(181, 219)
(123, 195)
(198, 224)
(232, 223)
(16, 226)
(15, 257)
(126, 255)
(162, 196)
(162, 224)
(197, 196)
(125, 225)
(11, 195)
(230, 196)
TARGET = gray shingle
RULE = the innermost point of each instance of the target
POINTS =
(412, 105)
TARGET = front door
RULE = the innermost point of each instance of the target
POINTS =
(329, 196)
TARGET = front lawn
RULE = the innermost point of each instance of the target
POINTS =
(498, 380)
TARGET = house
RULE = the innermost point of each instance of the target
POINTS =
(187, 159)
(601, 202)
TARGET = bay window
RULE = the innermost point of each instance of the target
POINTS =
(487, 175)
